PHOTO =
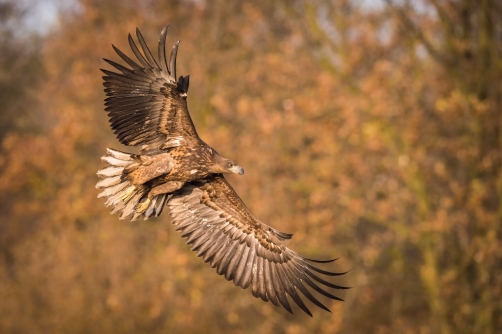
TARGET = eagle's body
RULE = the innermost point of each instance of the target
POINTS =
(175, 168)
(191, 162)
(184, 163)
(147, 107)
(169, 171)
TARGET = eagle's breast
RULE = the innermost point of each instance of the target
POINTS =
(190, 163)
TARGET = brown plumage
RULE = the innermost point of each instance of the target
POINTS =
(175, 168)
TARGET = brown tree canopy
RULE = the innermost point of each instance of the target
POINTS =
(372, 132)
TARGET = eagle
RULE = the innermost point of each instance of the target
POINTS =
(147, 108)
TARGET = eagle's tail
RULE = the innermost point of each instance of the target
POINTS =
(121, 194)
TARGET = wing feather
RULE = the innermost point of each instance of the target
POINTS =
(151, 61)
(248, 270)
(234, 260)
(269, 284)
(221, 230)
(299, 285)
(136, 52)
(172, 60)
(197, 233)
(241, 265)
(211, 240)
(218, 244)
(227, 256)
(254, 277)
(279, 289)
(162, 49)
(221, 251)
(289, 286)
(145, 103)
(128, 60)
(197, 243)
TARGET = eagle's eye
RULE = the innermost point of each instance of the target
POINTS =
(230, 165)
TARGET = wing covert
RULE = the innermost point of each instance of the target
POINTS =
(219, 228)
(145, 103)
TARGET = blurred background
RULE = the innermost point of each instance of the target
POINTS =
(370, 129)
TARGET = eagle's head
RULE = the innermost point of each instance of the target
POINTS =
(225, 166)
(232, 168)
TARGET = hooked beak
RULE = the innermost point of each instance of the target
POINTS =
(237, 170)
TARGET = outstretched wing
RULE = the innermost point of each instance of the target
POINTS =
(221, 229)
(145, 103)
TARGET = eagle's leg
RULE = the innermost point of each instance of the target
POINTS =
(164, 188)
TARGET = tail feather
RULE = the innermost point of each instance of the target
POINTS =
(131, 205)
(121, 194)
(114, 161)
(110, 171)
(119, 155)
(108, 182)
(107, 192)
(156, 206)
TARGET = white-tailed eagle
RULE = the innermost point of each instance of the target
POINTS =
(147, 107)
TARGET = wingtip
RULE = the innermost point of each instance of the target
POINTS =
(139, 35)
(172, 61)
(319, 261)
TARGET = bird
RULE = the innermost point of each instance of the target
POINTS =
(174, 168)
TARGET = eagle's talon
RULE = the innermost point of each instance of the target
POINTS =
(141, 207)
(128, 193)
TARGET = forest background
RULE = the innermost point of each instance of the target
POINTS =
(370, 129)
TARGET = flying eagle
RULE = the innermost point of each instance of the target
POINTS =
(147, 107)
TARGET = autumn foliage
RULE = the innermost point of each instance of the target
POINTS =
(372, 132)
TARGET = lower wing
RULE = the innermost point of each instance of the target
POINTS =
(219, 228)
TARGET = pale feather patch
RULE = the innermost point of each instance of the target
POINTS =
(173, 142)
(116, 198)
(114, 161)
(131, 205)
(136, 216)
(119, 155)
(118, 207)
(193, 171)
(110, 171)
(108, 182)
(112, 190)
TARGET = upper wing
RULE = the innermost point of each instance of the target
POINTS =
(221, 229)
(146, 104)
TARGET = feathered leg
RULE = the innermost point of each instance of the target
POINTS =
(164, 188)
